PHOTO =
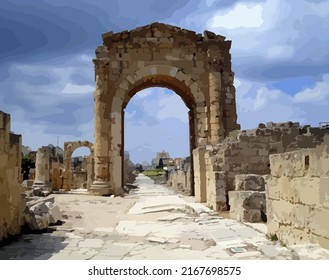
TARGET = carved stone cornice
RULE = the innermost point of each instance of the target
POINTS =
(101, 62)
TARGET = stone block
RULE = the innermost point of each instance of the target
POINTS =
(248, 206)
(307, 190)
(280, 211)
(293, 236)
(216, 190)
(324, 192)
(249, 182)
(319, 224)
(273, 188)
(200, 174)
(246, 215)
(301, 216)
(324, 242)
(247, 199)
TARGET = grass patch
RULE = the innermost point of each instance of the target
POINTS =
(154, 172)
(273, 237)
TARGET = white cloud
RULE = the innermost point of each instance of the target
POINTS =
(143, 93)
(321, 9)
(160, 119)
(241, 16)
(280, 51)
(264, 96)
(257, 103)
(172, 106)
(209, 3)
(77, 89)
(319, 94)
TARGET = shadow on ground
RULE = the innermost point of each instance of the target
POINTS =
(33, 246)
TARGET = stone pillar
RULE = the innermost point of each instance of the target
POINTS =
(199, 167)
(42, 170)
(192, 147)
(115, 149)
(201, 125)
(101, 186)
(217, 129)
(90, 171)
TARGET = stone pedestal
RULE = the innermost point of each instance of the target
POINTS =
(41, 182)
(100, 188)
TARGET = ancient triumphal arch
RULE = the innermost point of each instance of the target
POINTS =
(197, 67)
(69, 148)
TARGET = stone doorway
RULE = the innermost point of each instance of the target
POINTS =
(197, 67)
(170, 133)
(69, 148)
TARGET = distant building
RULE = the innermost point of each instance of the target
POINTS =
(163, 155)
(126, 155)
(25, 150)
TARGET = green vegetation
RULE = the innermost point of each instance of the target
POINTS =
(154, 172)
(273, 237)
(27, 164)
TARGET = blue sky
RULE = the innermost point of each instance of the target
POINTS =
(280, 57)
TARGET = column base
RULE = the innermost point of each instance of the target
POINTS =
(40, 184)
(100, 188)
(40, 188)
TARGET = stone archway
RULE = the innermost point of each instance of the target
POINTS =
(196, 67)
(69, 148)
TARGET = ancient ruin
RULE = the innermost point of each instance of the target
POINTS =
(298, 196)
(69, 148)
(197, 67)
(275, 174)
(10, 179)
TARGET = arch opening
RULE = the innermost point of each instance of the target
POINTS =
(79, 165)
(156, 122)
(195, 67)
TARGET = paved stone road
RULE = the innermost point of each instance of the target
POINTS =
(152, 222)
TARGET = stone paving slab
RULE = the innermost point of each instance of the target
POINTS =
(152, 222)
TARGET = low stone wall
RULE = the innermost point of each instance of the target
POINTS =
(298, 196)
(10, 168)
(79, 180)
(246, 152)
(180, 180)
(55, 174)
(248, 202)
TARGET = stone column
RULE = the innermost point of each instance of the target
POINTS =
(101, 186)
(199, 168)
(192, 147)
(215, 101)
(115, 149)
(90, 171)
(41, 181)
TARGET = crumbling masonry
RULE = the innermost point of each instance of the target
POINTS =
(10, 173)
(197, 67)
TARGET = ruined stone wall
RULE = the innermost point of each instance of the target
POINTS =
(180, 180)
(128, 169)
(298, 196)
(248, 200)
(79, 179)
(247, 152)
(10, 169)
(69, 148)
(55, 173)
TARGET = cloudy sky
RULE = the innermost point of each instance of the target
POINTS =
(280, 57)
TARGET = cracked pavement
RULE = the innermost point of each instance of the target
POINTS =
(152, 222)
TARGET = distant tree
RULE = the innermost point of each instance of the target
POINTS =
(139, 167)
(27, 164)
(160, 166)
